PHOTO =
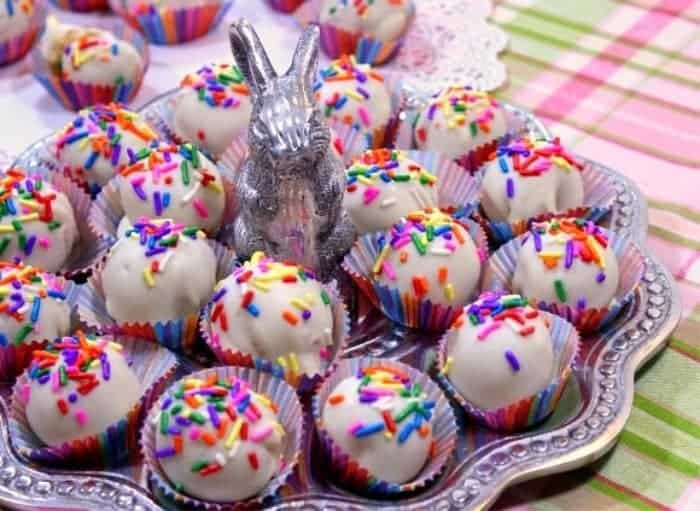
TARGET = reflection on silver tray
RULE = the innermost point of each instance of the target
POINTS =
(592, 412)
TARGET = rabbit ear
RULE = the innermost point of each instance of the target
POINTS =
(250, 55)
(305, 60)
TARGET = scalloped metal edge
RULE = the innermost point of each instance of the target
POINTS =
(482, 478)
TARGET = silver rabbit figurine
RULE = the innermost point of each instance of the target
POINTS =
(290, 189)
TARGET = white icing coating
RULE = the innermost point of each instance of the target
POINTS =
(378, 194)
(449, 268)
(100, 59)
(143, 6)
(458, 120)
(185, 276)
(94, 145)
(353, 94)
(123, 226)
(189, 203)
(548, 182)
(381, 19)
(48, 229)
(237, 478)
(387, 456)
(91, 413)
(23, 321)
(15, 18)
(285, 322)
(478, 355)
(537, 273)
(212, 108)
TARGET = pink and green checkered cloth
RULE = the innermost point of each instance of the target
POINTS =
(619, 81)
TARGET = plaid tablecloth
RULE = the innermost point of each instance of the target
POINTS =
(619, 81)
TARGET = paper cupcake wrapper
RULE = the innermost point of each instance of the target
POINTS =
(404, 308)
(501, 266)
(336, 42)
(598, 196)
(348, 471)
(77, 95)
(81, 5)
(531, 410)
(89, 247)
(118, 445)
(286, 6)
(16, 357)
(169, 25)
(304, 383)
(106, 211)
(290, 415)
(17, 47)
(178, 334)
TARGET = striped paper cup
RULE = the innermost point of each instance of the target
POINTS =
(118, 445)
(290, 415)
(14, 48)
(77, 95)
(531, 410)
(81, 5)
(286, 6)
(348, 471)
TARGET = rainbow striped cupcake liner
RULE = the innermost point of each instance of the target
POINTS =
(501, 267)
(286, 6)
(290, 416)
(16, 357)
(15, 48)
(336, 42)
(106, 211)
(532, 410)
(118, 445)
(347, 470)
(404, 308)
(178, 334)
(598, 196)
(81, 5)
(168, 25)
(77, 95)
(304, 383)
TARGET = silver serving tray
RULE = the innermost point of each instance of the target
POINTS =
(586, 424)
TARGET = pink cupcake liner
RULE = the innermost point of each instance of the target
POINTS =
(598, 196)
(348, 471)
(286, 6)
(501, 267)
(404, 308)
(106, 211)
(16, 357)
(531, 410)
(118, 445)
(290, 416)
(15, 48)
(169, 25)
(336, 42)
(81, 5)
(177, 334)
(304, 383)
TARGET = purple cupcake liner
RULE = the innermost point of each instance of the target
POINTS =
(290, 416)
(13, 49)
(81, 5)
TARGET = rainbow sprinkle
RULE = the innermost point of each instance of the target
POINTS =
(83, 360)
(218, 85)
(578, 240)
(362, 8)
(23, 290)
(89, 46)
(351, 106)
(23, 201)
(99, 133)
(403, 403)
(220, 412)
(14, 7)
(456, 105)
(378, 166)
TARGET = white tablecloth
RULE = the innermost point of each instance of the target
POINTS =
(27, 112)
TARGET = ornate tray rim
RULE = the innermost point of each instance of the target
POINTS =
(501, 464)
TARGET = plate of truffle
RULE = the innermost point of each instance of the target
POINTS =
(314, 289)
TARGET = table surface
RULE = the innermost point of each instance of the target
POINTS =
(618, 81)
